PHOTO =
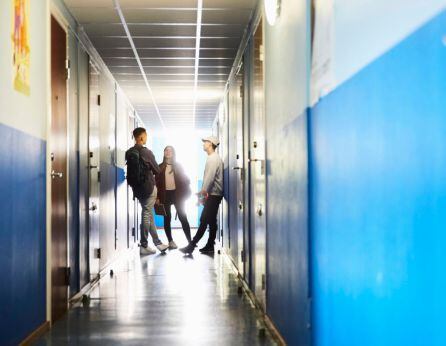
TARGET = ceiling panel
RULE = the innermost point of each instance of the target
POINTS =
(164, 34)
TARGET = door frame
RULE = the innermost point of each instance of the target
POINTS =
(53, 12)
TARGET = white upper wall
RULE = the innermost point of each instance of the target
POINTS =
(286, 49)
(365, 29)
(26, 113)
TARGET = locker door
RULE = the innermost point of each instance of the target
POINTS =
(93, 165)
(257, 169)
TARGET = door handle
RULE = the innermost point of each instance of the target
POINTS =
(235, 168)
(260, 209)
(92, 167)
(255, 160)
(55, 174)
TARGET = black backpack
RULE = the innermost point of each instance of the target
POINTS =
(137, 172)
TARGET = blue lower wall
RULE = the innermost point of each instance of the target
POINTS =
(287, 236)
(22, 235)
(378, 198)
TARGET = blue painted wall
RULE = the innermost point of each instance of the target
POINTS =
(378, 199)
(22, 235)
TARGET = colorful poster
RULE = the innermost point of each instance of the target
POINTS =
(21, 49)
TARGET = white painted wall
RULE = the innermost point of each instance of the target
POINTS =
(365, 29)
(286, 62)
(26, 113)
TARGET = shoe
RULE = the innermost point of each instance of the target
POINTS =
(207, 249)
(188, 249)
(172, 245)
(162, 247)
(146, 251)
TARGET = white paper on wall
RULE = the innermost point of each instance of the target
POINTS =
(322, 75)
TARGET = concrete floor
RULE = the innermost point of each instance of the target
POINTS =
(163, 300)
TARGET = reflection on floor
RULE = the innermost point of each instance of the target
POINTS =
(164, 300)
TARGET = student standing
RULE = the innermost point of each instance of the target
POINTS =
(211, 193)
(141, 167)
(173, 188)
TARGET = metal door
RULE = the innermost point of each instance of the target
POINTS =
(132, 227)
(84, 170)
(258, 168)
(93, 165)
(59, 236)
(238, 171)
(233, 173)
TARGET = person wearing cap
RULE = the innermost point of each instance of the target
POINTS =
(212, 194)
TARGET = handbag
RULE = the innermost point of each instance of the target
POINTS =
(160, 210)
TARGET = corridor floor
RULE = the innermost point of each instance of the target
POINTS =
(168, 299)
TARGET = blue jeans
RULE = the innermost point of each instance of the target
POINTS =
(147, 219)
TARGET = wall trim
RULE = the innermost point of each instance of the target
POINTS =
(86, 290)
(42, 329)
(255, 302)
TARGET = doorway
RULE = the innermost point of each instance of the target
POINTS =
(59, 242)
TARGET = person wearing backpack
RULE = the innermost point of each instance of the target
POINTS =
(141, 167)
(173, 188)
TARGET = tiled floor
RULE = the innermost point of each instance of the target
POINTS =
(165, 299)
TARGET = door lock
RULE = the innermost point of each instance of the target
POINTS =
(55, 174)
(93, 207)
(260, 209)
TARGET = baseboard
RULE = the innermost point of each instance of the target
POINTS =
(123, 254)
(42, 329)
(255, 302)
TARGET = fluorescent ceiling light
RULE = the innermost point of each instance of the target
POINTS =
(197, 57)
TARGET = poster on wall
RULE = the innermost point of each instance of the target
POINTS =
(21, 49)
(322, 76)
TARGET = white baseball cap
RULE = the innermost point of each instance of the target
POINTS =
(214, 140)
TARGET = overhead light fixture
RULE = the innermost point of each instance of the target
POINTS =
(197, 58)
(272, 10)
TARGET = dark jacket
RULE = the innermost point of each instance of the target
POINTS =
(145, 190)
(182, 188)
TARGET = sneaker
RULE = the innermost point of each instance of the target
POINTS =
(207, 249)
(146, 251)
(172, 245)
(162, 247)
(188, 249)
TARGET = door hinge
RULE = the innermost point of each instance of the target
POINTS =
(67, 67)
(98, 253)
(263, 282)
(241, 91)
(243, 256)
(67, 275)
(242, 174)
(133, 231)
(99, 176)
(99, 100)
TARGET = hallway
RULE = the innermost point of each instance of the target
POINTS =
(310, 136)
(166, 299)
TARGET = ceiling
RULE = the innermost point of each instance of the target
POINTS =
(186, 65)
